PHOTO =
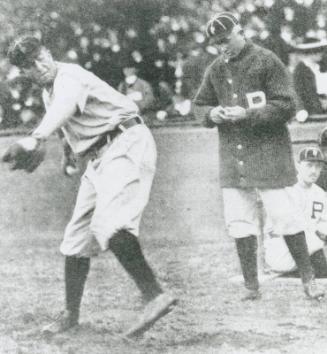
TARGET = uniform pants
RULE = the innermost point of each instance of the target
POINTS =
(114, 191)
(242, 215)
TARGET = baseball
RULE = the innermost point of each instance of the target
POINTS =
(162, 115)
(71, 170)
(302, 116)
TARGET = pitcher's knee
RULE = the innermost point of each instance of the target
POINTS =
(103, 234)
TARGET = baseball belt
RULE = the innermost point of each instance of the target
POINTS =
(97, 148)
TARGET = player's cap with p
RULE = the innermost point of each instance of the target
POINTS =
(311, 154)
(221, 25)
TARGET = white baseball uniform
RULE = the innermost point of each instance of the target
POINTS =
(311, 205)
(242, 213)
(116, 185)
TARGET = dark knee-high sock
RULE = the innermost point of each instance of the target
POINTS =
(298, 248)
(127, 249)
(319, 264)
(76, 271)
(247, 252)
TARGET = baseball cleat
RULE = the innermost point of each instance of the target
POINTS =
(312, 291)
(251, 295)
(155, 310)
(62, 323)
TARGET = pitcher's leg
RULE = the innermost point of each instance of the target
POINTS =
(77, 241)
(123, 187)
(127, 249)
(76, 271)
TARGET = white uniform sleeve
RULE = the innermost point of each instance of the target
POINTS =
(322, 222)
(69, 95)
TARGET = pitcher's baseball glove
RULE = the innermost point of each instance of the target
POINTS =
(25, 154)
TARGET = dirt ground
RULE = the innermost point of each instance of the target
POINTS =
(185, 241)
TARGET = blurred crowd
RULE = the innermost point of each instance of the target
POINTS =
(162, 70)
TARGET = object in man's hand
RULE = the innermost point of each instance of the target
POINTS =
(25, 154)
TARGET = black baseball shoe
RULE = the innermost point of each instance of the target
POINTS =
(155, 309)
(62, 323)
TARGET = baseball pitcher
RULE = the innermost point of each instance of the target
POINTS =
(103, 125)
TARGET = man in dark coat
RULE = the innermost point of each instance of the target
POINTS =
(247, 93)
(322, 142)
(304, 77)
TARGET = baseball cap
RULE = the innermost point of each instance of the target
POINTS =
(221, 25)
(322, 139)
(311, 154)
(24, 50)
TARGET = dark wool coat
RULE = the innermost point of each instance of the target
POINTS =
(306, 89)
(255, 151)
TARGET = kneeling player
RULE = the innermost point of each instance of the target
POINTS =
(310, 202)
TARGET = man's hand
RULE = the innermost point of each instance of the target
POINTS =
(68, 161)
(217, 114)
(322, 235)
(321, 229)
(235, 113)
(221, 114)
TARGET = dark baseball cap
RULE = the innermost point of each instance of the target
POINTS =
(221, 25)
(311, 154)
(24, 50)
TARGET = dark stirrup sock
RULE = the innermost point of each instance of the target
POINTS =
(247, 252)
(319, 264)
(127, 249)
(76, 271)
(298, 248)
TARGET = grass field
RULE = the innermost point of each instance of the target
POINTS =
(185, 241)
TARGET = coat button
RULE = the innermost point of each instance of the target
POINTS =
(239, 147)
(241, 163)
(235, 95)
(230, 81)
